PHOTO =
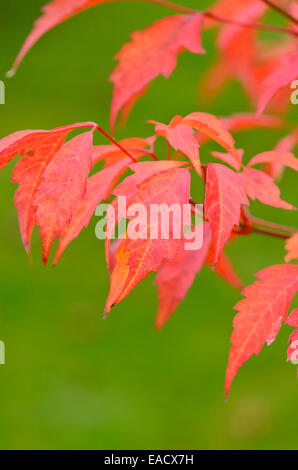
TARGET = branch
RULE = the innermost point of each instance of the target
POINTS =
(254, 224)
(220, 19)
(280, 10)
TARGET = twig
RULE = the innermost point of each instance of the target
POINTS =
(280, 10)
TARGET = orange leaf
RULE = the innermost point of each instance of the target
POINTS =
(292, 248)
(214, 129)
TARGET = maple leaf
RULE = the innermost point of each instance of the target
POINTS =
(292, 353)
(54, 13)
(99, 187)
(284, 73)
(151, 52)
(292, 248)
(63, 185)
(146, 254)
(224, 195)
(181, 137)
(260, 186)
(176, 277)
(212, 127)
(260, 314)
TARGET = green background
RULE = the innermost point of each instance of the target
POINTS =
(73, 380)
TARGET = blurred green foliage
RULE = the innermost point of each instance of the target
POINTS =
(74, 381)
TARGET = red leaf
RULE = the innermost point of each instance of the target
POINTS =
(224, 195)
(54, 13)
(213, 128)
(176, 277)
(260, 314)
(260, 186)
(99, 187)
(167, 187)
(292, 248)
(284, 73)
(63, 186)
(151, 52)
(181, 137)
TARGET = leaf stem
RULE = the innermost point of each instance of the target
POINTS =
(220, 19)
(248, 24)
(280, 10)
(97, 127)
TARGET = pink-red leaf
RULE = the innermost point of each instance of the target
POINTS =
(182, 138)
(230, 159)
(224, 195)
(177, 276)
(33, 143)
(147, 254)
(99, 187)
(284, 73)
(275, 156)
(260, 314)
(260, 186)
(151, 52)
(54, 13)
(63, 186)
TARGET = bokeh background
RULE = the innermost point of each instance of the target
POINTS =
(73, 380)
